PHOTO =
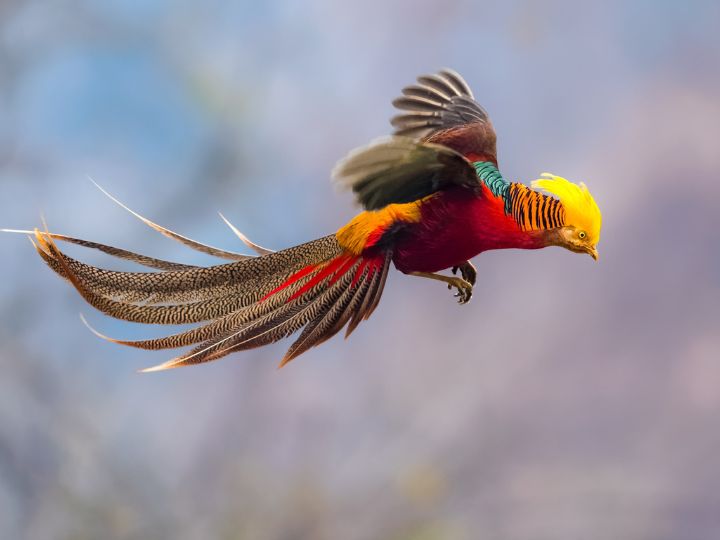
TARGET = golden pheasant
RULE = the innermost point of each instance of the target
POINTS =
(433, 198)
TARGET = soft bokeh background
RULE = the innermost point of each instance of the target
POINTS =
(568, 400)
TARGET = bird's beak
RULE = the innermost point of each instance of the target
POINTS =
(593, 252)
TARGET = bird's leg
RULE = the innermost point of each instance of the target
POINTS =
(463, 287)
(467, 271)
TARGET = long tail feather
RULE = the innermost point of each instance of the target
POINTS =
(173, 314)
(323, 306)
(150, 262)
(248, 278)
(323, 328)
(377, 293)
(277, 324)
(245, 240)
(185, 313)
(357, 315)
(274, 322)
(219, 327)
(113, 285)
(189, 242)
(316, 287)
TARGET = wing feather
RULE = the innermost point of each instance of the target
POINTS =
(400, 170)
(441, 109)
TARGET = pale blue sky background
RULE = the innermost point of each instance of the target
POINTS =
(567, 400)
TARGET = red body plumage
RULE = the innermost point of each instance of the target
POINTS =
(455, 226)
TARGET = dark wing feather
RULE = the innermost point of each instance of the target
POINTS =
(441, 109)
(400, 170)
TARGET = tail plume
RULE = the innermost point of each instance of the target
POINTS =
(316, 287)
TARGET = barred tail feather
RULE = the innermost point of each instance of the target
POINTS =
(321, 299)
(221, 326)
(150, 262)
(286, 319)
(183, 313)
(316, 287)
(323, 328)
(189, 242)
(215, 290)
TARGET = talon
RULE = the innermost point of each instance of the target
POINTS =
(464, 289)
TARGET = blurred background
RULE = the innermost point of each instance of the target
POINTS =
(568, 400)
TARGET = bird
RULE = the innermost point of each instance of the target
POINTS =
(432, 196)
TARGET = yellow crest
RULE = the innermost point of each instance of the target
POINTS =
(581, 211)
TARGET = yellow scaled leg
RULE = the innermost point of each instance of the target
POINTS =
(463, 287)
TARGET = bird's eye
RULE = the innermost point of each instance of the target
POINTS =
(582, 235)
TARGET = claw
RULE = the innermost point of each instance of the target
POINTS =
(464, 289)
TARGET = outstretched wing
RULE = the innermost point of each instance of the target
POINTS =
(441, 109)
(401, 170)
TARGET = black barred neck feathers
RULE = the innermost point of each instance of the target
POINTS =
(533, 210)
(569, 204)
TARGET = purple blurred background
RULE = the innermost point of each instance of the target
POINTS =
(568, 400)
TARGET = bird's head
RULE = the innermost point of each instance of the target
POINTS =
(580, 231)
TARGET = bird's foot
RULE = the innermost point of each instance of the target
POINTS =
(464, 289)
(467, 271)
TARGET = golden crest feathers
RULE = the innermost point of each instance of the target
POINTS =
(581, 211)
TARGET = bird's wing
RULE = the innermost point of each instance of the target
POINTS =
(441, 109)
(401, 170)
